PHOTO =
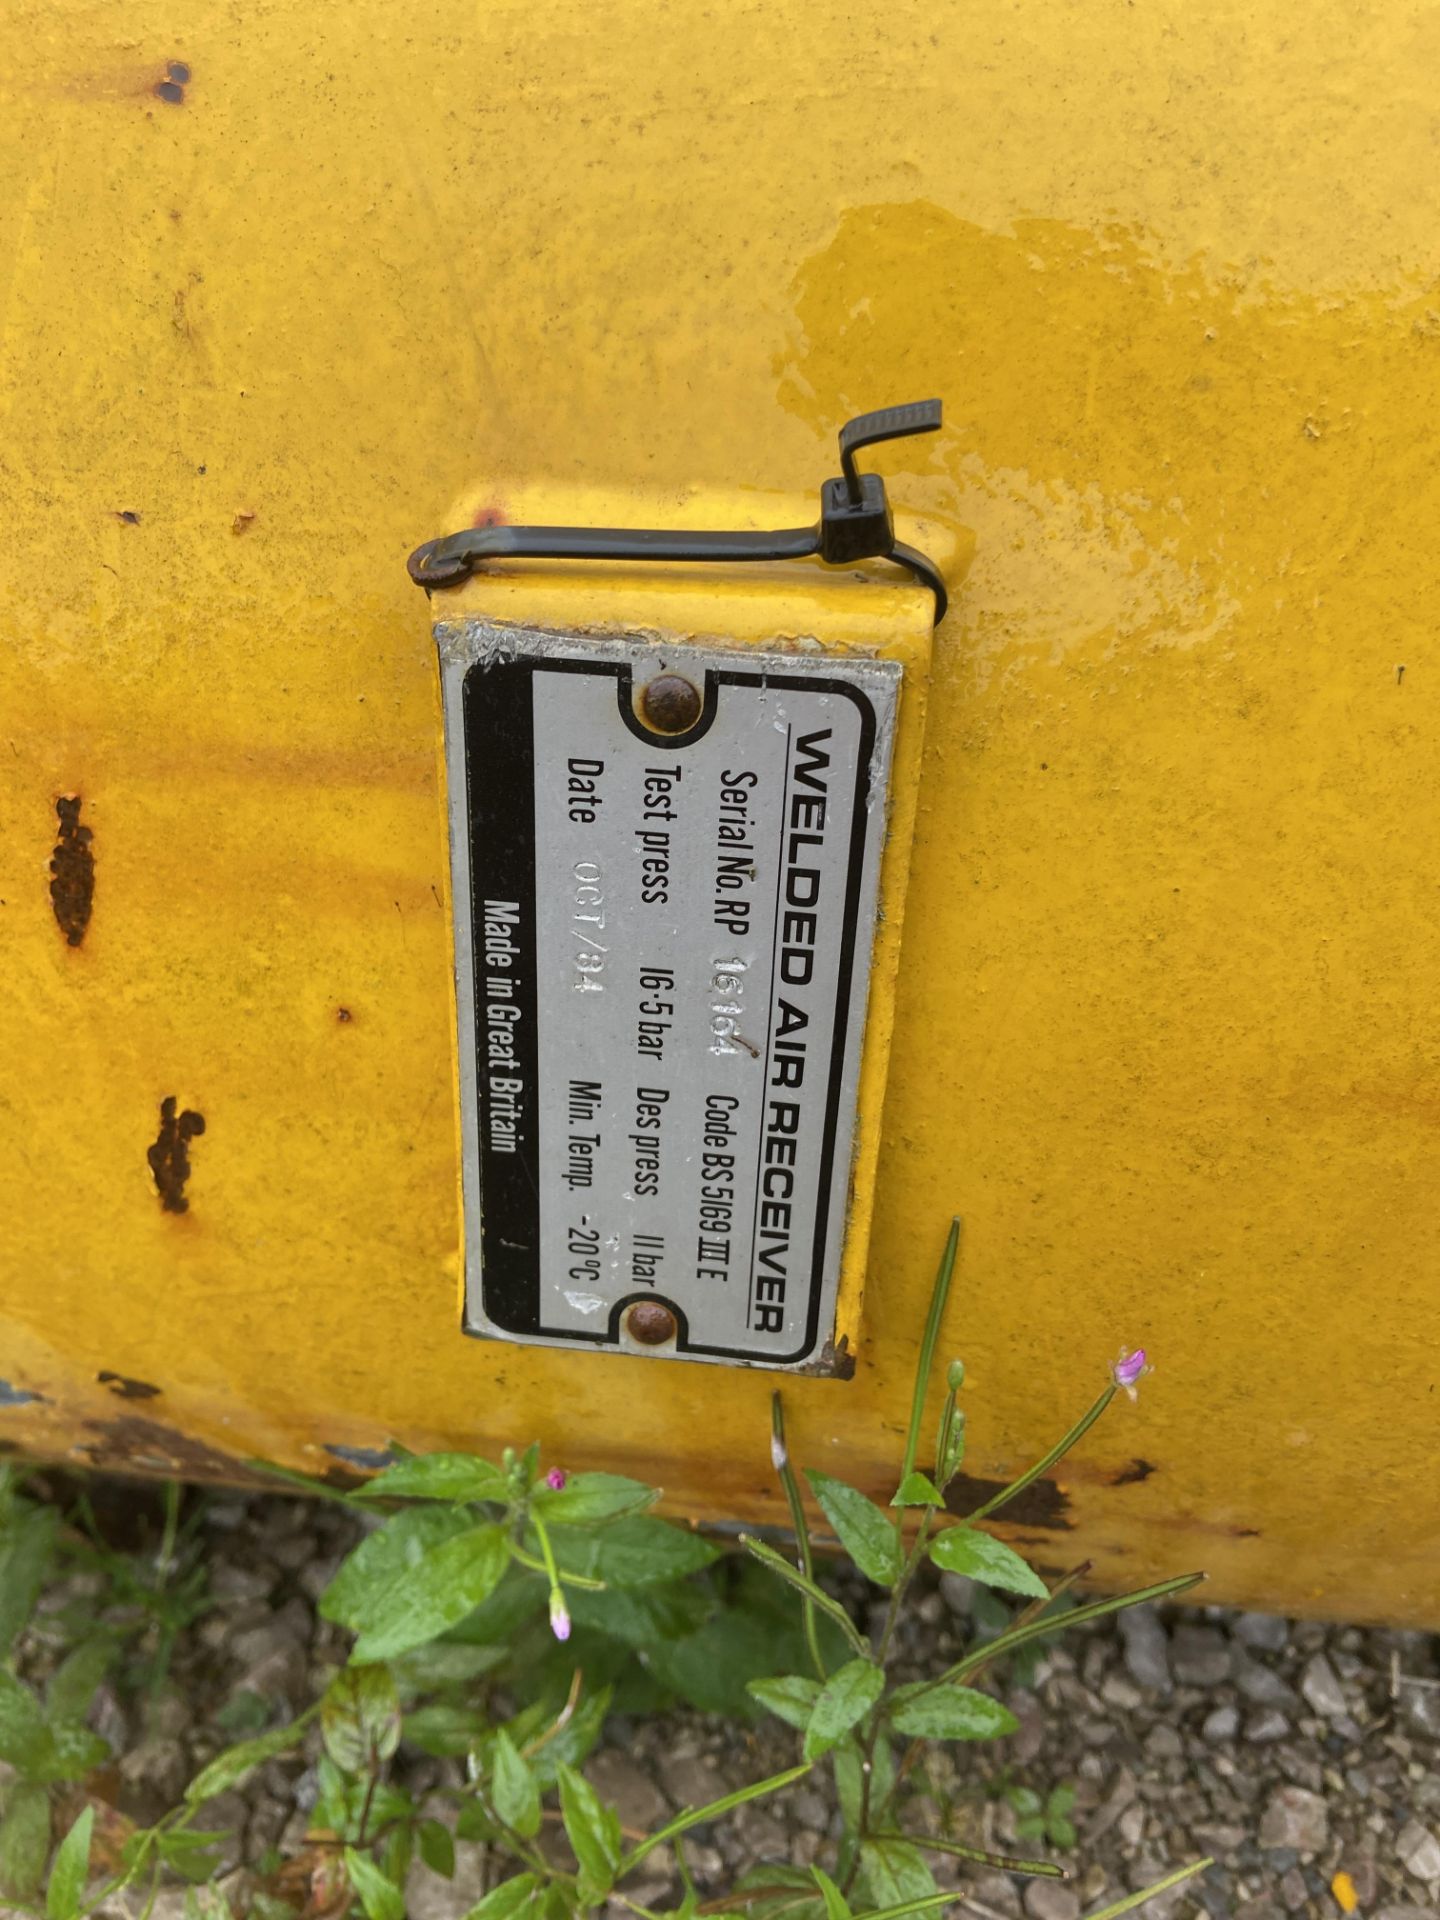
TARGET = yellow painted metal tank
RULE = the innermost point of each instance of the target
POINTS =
(282, 286)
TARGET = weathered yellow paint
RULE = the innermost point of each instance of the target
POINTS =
(1164, 1029)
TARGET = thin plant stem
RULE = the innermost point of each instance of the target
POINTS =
(940, 1293)
(882, 1654)
(786, 1472)
(1021, 1636)
(777, 1563)
(1148, 1893)
(1057, 1452)
(1004, 1862)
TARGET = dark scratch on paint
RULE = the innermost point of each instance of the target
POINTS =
(125, 1388)
(363, 1456)
(169, 1157)
(72, 871)
(1132, 1475)
(12, 1396)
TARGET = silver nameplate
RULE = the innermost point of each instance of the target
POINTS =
(662, 951)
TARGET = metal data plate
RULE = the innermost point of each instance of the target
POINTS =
(662, 950)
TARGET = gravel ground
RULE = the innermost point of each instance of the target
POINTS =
(1290, 1751)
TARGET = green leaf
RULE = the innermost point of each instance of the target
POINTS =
(24, 1840)
(790, 1697)
(437, 1847)
(70, 1871)
(864, 1531)
(444, 1663)
(379, 1896)
(387, 1556)
(229, 1768)
(594, 1833)
(360, 1718)
(774, 1892)
(980, 1556)
(508, 1900)
(24, 1738)
(517, 1796)
(445, 1730)
(71, 1753)
(26, 1544)
(588, 1498)
(575, 1740)
(417, 1585)
(636, 1551)
(1061, 1831)
(73, 1685)
(948, 1712)
(917, 1490)
(891, 1872)
(846, 1697)
(837, 1907)
(848, 1762)
(439, 1476)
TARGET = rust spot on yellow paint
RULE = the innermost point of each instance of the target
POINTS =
(169, 1157)
(72, 871)
(130, 1444)
(1042, 1504)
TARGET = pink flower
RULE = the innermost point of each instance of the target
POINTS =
(1130, 1369)
(555, 1479)
(559, 1618)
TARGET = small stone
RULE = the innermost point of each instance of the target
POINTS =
(1221, 1725)
(1163, 1742)
(1269, 1632)
(1200, 1656)
(633, 1794)
(997, 1890)
(1132, 1826)
(1051, 1900)
(1295, 1818)
(1405, 1913)
(1293, 1890)
(810, 1809)
(1420, 1709)
(1122, 1694)
(1121, 1794)
(694, 1781)
(230, 1581)
(1419, 1851)
(1322, 1688)
(1261, 1909)
(1147, 1654)
(1261, 1686)
(155, 1775)
(1266, 1725)
(958, 1593)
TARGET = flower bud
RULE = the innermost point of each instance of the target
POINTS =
(555, 1479)
(559, 1618)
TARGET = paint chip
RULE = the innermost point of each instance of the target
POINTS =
(72, 871)
(169, 1157)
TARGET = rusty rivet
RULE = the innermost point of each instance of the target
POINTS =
(670, 704)
(650, 1323)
